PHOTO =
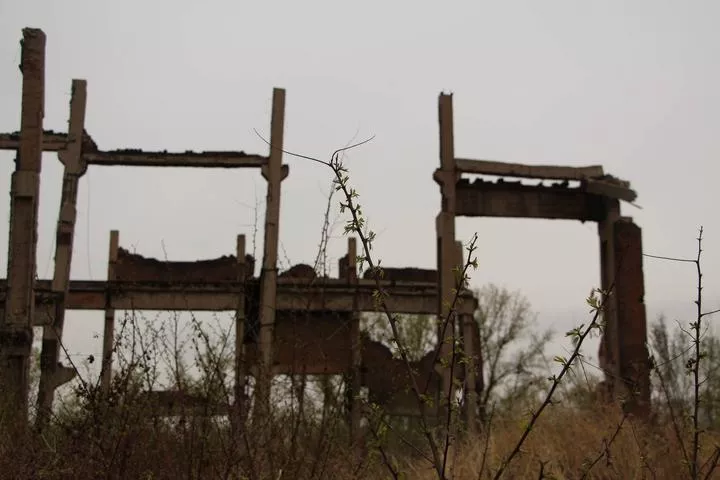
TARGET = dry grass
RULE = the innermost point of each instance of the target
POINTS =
(120, 442)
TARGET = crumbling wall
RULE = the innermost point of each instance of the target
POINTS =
(343, 267)
(388, 381)
(132, 267)
(301, 270)
(309, 342)
(407, 274)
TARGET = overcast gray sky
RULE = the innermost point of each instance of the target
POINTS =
(629, 85)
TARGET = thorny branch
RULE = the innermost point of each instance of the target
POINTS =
(579, 335)
(357, 225)
(693, 365)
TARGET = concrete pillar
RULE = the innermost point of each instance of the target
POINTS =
(109, 328)
(16, 333)
(52, 373)
(274, 173)
(240, 367)
(609, 352)
(472, 367)
(355, 347)
(446, 176)
(631, 316)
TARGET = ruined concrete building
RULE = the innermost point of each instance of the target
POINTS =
(296, 321)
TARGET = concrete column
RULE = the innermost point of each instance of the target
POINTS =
(52, 373)
(446, 176)
(631, 316)
(240, 373)
(274, 173)
(355, 347)
(471, 347)
(609, 352)
(109, 328)
(16, 334)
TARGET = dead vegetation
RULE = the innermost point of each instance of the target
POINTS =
(216, 401)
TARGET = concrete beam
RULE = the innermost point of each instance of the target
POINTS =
(52, 141)
(503, 169)
(611, 189)
(56, 141)
(515, 200)
(139, 158)
(336, 296)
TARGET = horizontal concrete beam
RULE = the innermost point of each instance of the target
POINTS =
(138, 158)
(336, 296)
(52, 141)
(504, 199)
(55, 141)
(502, 169)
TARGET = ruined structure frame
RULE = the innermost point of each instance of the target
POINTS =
(623, 352)
(223, 284)
(26, 301)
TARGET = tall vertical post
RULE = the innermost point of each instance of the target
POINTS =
(446, 176)
(631, 316)
(466, 329)
(274, 174)
(355, 345)
(240, 334)
(470, 349)
(109, 327)
(16, 334)
(52, 373)
(610, 358)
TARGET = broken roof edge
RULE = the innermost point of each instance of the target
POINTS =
(490, 167)
(593, 178)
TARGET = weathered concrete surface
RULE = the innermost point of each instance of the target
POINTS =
(631, 316)
(109, 325)
(314, 343)
(609, 354)
(447, 177)
(52, 141)
(16, 331)
(334, 296)
(594, 196)
(513, 199)
(505, 169)
(472, 369)
(274, 174)
(52, 372)
(139, 158)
